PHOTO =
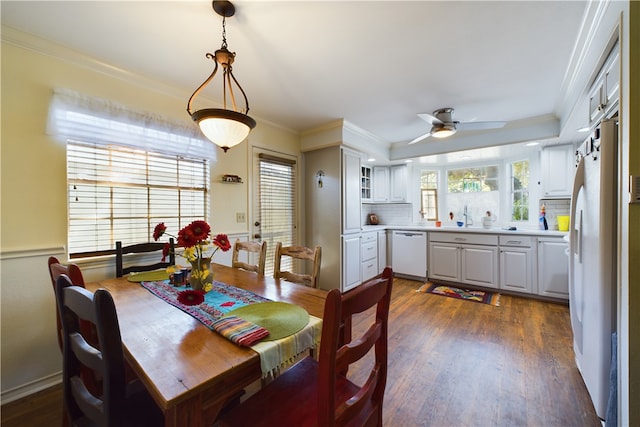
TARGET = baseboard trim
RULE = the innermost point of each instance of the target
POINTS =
(30, 388)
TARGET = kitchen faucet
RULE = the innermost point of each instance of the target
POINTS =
(467, 220)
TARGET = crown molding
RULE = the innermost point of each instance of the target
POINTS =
(60, 52)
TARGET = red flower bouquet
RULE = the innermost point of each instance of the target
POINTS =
(198, 250)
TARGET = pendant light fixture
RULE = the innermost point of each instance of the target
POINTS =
(224, 127)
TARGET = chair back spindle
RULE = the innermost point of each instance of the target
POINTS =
(309, 255)
(259, 248)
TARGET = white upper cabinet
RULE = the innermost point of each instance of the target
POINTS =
(390, 184)
(398, 183)
(605, 91)
(557, 162)
(380, 184)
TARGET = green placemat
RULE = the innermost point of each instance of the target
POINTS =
(281, 319)
(148, 276)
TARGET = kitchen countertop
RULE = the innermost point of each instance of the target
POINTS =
(472, 229)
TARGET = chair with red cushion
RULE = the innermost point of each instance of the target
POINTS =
(319, 393)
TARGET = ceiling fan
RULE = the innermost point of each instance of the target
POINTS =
(443, 125)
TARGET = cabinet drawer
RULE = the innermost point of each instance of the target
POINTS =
(523, 241)
(464, 238)
(369, 269)
(369, 250)
(369, 237)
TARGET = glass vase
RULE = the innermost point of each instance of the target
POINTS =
(201, 274)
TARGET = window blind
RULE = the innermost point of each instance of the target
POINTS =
(118, 193)
(127, 171)
(277, 205)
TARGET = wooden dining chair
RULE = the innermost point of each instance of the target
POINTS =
(301, 253)
(141, 248)
(56, 269)
(319, 393)
(250, 247)
(118, 403)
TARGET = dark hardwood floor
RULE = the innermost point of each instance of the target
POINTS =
(451, 363)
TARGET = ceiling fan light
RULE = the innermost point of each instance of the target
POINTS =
(225, 128)
(442, 131)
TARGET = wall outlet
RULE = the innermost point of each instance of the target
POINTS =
(240, 217)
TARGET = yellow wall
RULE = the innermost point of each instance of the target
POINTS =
(33, 198)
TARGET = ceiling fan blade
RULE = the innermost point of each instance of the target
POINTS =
(480, 125)
(420, 138)
(429, 118)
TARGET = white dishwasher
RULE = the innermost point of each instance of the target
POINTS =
(409, 253)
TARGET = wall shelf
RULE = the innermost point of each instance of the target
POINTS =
(231, 179)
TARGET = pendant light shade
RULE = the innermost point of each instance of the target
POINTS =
(224, 127)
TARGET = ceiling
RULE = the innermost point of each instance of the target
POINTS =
(376, 64)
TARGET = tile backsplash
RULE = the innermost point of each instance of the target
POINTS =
(402, 213)
(389, 213)
(553, 208)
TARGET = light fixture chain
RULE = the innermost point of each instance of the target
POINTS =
(224, 32)
(225, 127)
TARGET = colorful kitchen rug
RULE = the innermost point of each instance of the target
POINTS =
(491, 298)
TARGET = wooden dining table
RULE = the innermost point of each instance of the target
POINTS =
(189, 370)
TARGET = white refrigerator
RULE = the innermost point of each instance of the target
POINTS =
(592, 259)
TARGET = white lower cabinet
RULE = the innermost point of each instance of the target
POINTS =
(480, 265)
(369, 255)
(464, 258)
(553, 267)
(351, 264)
(517, 263)
(382, 250)
(444, 261)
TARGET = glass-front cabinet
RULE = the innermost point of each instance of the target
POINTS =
(365, 183)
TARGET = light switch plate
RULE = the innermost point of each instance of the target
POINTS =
(240, 217)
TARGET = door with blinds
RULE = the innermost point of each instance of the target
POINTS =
(274, 202)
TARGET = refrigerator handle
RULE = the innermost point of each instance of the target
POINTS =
(575, 224)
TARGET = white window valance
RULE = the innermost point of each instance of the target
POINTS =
(77, 117)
